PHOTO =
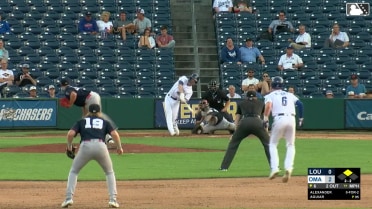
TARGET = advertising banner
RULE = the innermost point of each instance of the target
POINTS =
(185, 119)
(28, 113)
(358, 113)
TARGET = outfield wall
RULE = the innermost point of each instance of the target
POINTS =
(319, 114)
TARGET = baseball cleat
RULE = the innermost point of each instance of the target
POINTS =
(273, 174)
(287, 176)
(67, 203)
(222, 169)
(113, 204)
(177, 131)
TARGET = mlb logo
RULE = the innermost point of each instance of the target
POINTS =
(357, 9)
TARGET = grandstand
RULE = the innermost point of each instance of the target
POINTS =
(44, 35)
(325, 69)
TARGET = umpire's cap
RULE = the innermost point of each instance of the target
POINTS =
(64, 82)
(94, 108)
(251, 94)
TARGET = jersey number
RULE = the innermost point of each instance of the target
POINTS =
(96, 123)
(284, 101)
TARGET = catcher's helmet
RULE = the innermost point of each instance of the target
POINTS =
(277, 82)
(194, 77)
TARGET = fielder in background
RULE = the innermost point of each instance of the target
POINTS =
(218, 100)
(92, 129)
(281, 105)
(247, 121)
(181, 91)
(82, 98)
(211, 120)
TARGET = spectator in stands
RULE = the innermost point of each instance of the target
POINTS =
(141, 22)
(291, 89)
(104, 24)
(88, 24)
(280, 25)
(337, 39)
(249, 53)
(303, 40)
(164, 40)
(355, 89)
(329, 94)
(290, 60)
(146, 40)
(122, 26)
(369, 94)
(249, 80)
(52, 91)
(264, 86)
(4, 26)
(232, 94)
(33, 92)
(242, 6)
(6, 76)
(230, 52)
(24, 78)
(4, 54)
(252, 87)
(222, 6)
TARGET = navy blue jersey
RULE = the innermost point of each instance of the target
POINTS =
(92, 128)
(81, 95)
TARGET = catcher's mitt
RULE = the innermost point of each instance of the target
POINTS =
(64, 102)
(211, 119)
(71, 153)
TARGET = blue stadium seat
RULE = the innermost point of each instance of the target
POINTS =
(91, 58)
(52, 58)
(64, 50)
(37, 15)
(32, 58)
(46, 50)
(25, 50)
(65, 36)
(46, 36)
(45, 66)
(89, 43)
(43, 80)
(90, 73)
(36, 73)
(107, 58)
(81, 66)
(83, 80)
(105, 81)
(310, 89)
(364, 74)
(52, 73)
(71, 58)
(108, 73)
(72, 43)
(326, 73)
(10, 91)
(110, 90)
(361, 59)
(308, 74)
(52, 29)
(70, 73)
(69, 29)
(33, 43)
(63, 66)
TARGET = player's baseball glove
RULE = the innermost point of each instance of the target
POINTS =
(71, 153)
(211, 119)
(64, 102)
(197, 129)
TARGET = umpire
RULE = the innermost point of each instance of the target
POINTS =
(247, 121)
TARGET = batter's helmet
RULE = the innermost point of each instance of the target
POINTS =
(194, 77)
(277, 82)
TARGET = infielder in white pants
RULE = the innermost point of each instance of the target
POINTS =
(281, 105)
(181, 91)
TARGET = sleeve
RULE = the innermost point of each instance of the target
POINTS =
(238, 110)
(267, 99)
(281, 60)
(223, 96)
(76, 126)
(81, 26)
(95, 26)
(224, 55)
(109, 127)
(6, 55)
(258, 53)
(290, 25)
(7, 26)
(272, 24)
(299, 59)
(152, 42)
(346, 37)
(300, 108)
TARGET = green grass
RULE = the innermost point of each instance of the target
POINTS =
(249, 161)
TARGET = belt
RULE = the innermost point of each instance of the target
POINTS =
(172, 97)
(251, 115)
(285, 114)
(93, 140)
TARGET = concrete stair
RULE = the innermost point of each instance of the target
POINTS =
(195, 50)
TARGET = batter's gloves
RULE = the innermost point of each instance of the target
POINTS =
(71, 153)
(300, 122)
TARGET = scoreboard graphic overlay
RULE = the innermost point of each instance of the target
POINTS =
(357, 9)
(333, 184)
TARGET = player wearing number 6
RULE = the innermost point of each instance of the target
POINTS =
(281, 105)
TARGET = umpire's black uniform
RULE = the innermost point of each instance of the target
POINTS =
(249, 112)
(217, 100)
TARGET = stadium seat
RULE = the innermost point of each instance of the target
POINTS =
(71, 58)
(32, 58)
(91, 58)
(52, 73)
(72, 43)
(108, 73)
(107, 58)
(70, 73)
(83, 80)
(45, 66)
(105, 81)
(326, 73)
(310, 89)
(52, 29)
(43, 80)
(52, 58)
(36, 73)
(89, 73)
(10, 91)
(25, 50)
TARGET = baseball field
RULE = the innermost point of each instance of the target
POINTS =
(161, 172)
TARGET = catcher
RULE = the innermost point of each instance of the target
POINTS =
(82, 98)
(210, 120)
(92, 129)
